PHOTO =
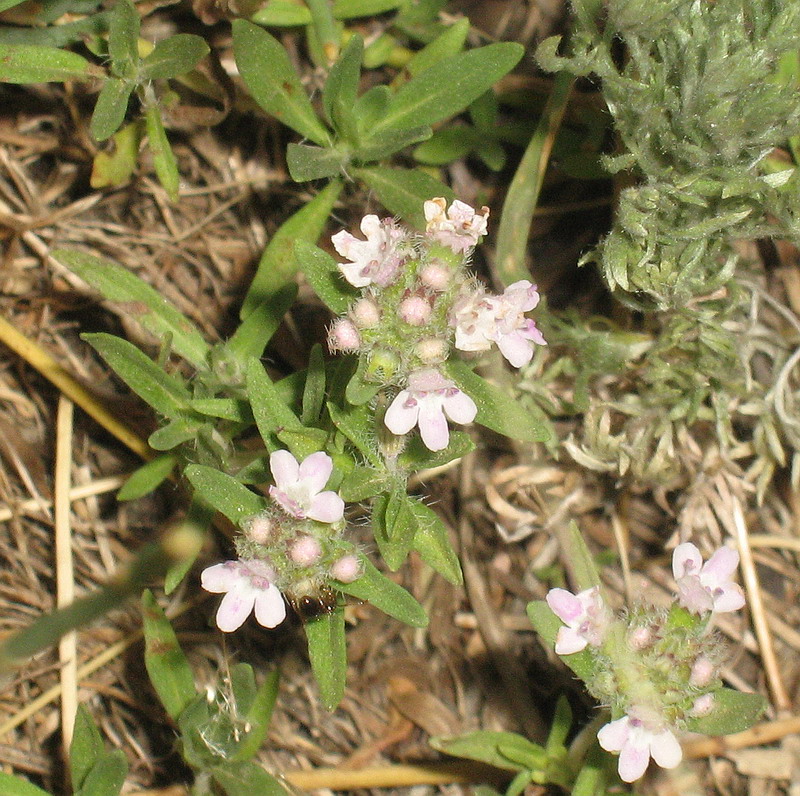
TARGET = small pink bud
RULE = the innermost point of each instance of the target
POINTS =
(346, 569)
(703, 672)
(435, 276)
(415, 311)
(343, 336)
(703, 705)
(640, 638)
(305, 551)
(432, 350)
(260, 529)
(365, 313)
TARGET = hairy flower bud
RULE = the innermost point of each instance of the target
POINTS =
(703, 672)
(343, 336)
(260, 529)
(365, 313)
(305, 551)
(435, 276)
(703, 705)
(640, 638)
(414, 310)
(346, 569)
(432, 350)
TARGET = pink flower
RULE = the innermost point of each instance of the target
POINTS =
(584, 615)
(375, 259)
(298, 487)
(460, 228)
(636, 743)
(481, 320)
(707, 587)
(425, 402)
(247, 585)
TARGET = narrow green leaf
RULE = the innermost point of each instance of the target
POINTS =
(16, 786)
(145, 305)
(164, 161)
(110, 108)
(416, 455)
(447, 44)
(358, 390)
(357, 423)
(482, 746)
(237, 411)
(432, 542)
(107, 776)
(520, 750)
(340, 91)
(349, 9)
(113, 168)
(225, 493)
(387, 143)
(31, 63)
(272, 416)
(165, 393)
(173, 434)
(497, 409)
(733, 711)
(247, 779)
(559, 727)
(314, 389)
(582, 565)
(258, 327)
(322, 273)
(166, 664)
(6, 4)
(192, 530)
(450, 85)
(362, 483)
(447, 145)
(86, 747)
(404, 191)
(257, 716)
(174, 56)
(376, 589)
(400, 522)
(148, 477)
(307, 162)
(273, 83)
(327, 649)
(282, 14)
(123, 38)
(370, 107)
(278, 264)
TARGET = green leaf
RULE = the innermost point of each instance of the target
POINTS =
(111, 169)
(733, 712)
(6, 4)
(148, 477)
(340, 91)
(404, 191)
(432, 542)
(416, 455)
(165, 393)
(86, 747)
(447, 145)
(314, 389)
(497, 409)
(322, 273)
(247, 779)
(30, 63)
(307, 162)
(376, 589)
(145, 305)
(358, 390)
(163, 157)
(328, 653)
(362, 483)
(192, 533)
(225, 494)
(123, 38)
(110, 108)
(370, 107)
(384, 144)
(581, 562)
(173, 434)
(166, 664)
(483, 746)
(547, 625)
(258, 327)
(257, 715)
(394, 526)
(282, 13)
(16, 786)
(449, 43)
(107, 776)
(349, 9)
(450, 85)
(237, 411)
(174, 56)
(278, 264)
(274, 85)
(357, 423)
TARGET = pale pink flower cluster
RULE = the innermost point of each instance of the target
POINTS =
(375, 260)
(481, 320)
(425, 402)
(298, 487)
(459, 227)
(584, 615)
(707, 587)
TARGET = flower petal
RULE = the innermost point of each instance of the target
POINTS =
(721, 565)
(270, 608)
(432, 424)
(633, 760)
(402, 414)
(285, 469)
(686, 560)
(515, 348)
(569, 641)
(315, 470)
(564, 604)
(731, 598)
(220, 577)
(235, 607)
(326, 507)
(460, 408)
(665, 749)
(612, 736)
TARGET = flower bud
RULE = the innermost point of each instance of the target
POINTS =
(365, 313)
(703, 672)
(305, 551)
(346, 569)
(414, 310)
(343, 336)
(260, 529)
(435, 276)
(703, 705)
(382, 365)
(640, 638)
(432, 350)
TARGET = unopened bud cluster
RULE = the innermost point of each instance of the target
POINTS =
(417, 303)
(655, 669)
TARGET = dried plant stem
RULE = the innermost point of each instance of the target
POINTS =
(38, 358)
(65, 583)
(780, 698)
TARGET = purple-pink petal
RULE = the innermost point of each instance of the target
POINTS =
(402, 414)
(270, 608)
(515, 348)
(721, 565)
(729, 599)
(284, 467)
(665, 749)
(686, 560)
(220, 577)
(612, 736)
(633, 760)
(460, 408)
(569, 641)
(315, 470)
(564, 604)
(433, 425)
(235, 607)
(326, 507)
